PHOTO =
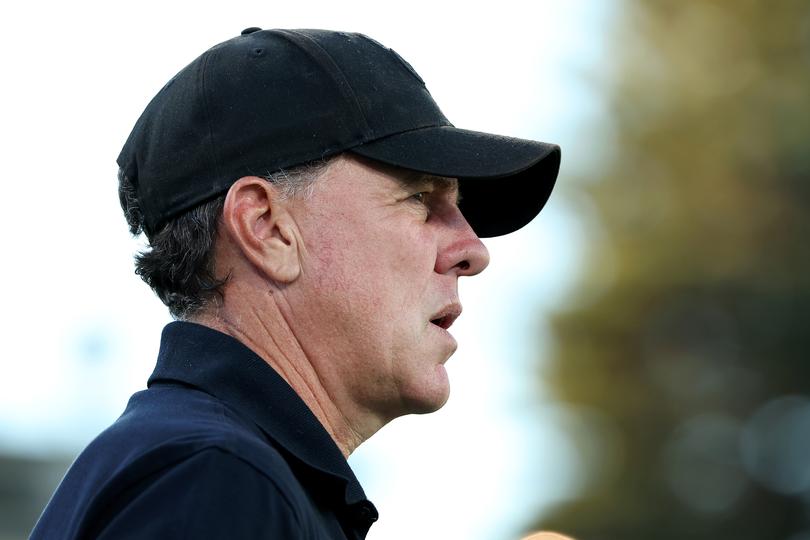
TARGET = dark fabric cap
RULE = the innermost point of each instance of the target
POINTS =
(274, 99)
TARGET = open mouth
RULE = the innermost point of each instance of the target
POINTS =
(446, 317)
(442, 322)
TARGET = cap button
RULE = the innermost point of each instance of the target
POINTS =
(250, 30)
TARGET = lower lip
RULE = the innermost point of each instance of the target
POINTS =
(446, 334)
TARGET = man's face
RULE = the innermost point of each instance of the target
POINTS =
(383, 249)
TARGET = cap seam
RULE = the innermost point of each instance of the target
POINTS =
(344, 84)
(206, 112)
(429, 126)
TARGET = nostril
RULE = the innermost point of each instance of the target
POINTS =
(464, 265)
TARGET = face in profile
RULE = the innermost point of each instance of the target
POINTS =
(378, 291)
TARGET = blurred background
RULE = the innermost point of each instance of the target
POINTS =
(633, 364)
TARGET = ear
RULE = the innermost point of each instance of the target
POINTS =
(260, 226)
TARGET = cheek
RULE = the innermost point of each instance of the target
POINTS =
(345, 277)
(376, 255)
(412, 252)
(369, 277)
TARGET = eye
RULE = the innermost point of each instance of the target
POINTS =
(420, 197)
(421, 203)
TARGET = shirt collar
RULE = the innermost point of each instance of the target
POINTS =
(225, 368)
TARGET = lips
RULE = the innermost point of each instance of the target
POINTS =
(446, 316)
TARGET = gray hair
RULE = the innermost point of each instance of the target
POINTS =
(178, 263)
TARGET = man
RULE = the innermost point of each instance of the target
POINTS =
(309, 211)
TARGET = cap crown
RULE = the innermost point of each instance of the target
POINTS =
(263, 101)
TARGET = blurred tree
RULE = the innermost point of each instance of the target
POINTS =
(684, 358)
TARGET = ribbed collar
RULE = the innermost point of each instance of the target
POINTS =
(225, 368)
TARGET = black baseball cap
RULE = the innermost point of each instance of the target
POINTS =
(273, 99)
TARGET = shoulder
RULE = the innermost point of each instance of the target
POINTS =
(178, 457)
(168, 424)
(212, 493)
(165, 428)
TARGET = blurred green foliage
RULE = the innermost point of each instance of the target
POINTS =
(684, 357)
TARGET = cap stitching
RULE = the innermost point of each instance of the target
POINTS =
(206, 113)
(337, 74)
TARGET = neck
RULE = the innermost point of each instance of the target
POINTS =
(263, 329)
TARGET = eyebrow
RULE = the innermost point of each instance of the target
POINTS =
(413, 178)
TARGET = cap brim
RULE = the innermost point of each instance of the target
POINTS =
(504, 181)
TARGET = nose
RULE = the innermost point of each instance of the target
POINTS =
(460, 249)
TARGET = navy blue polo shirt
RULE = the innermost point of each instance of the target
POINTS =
(218, 446)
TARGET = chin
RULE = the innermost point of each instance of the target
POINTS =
(430, 396)
(428, 407)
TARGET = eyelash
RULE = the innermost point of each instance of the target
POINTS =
(421, 196)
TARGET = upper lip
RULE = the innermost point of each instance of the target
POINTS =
(445, 317)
